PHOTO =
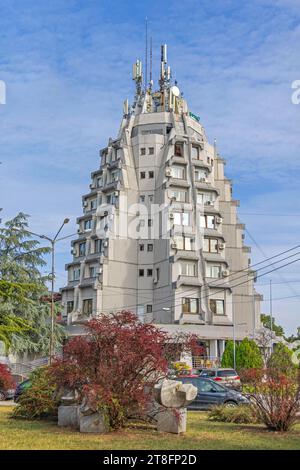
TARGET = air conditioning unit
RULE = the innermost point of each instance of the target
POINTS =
(168, 172)
(105, 244)
(171, 215)
(174, 246)
(225, 273)
(219, 220)
(221, 246)
(100, 271)
(116, 193)
(155, 281)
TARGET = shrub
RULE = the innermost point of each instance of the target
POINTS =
(275, 399)
(247, 355)
(281, 362)
(232, 414)
(115, 364)
(6, 379)
(38, 400)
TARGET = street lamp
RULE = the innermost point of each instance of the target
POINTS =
(52, 242)
(234, 340)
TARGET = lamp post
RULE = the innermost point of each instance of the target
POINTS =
(234, 340)
(52, 241)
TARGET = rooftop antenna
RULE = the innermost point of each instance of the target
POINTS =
(151, 81)
(146, 56)
(215, 148)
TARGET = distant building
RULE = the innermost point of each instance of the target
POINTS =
(159, 234)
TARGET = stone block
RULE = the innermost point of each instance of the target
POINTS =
(172, 420)
(68, 416)
(93, 423)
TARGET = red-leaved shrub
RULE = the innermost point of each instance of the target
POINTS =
(6, 379)
(116, 364)
(275, 398)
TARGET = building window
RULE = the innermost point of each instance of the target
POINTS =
(151, 150)
(178, 149)
(178, 172)
(99, 181)
(150, 197)
(195, 152)
(200, 175)
(88, 224)
(142, 247)
(210, 245)
(142, 198)
(179, 195)
(98, 246)
(149, 272)
(92, 271)
(143, 175)
(184, 243)
(114, 176)
(151, 174)
(150, 247)
(205, 198)
(217, 306)
(207, 221)
(157, 274)
(70, 306)
(213, 270)
(187, 269)
(190, 305)
(87, 306)
(143, 151)
(150, 222)
(149, 308)
(76, 274)
(93, 204)
(82, 248)
(181, 218)
(141, 272)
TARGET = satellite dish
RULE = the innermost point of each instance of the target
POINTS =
(175, 90)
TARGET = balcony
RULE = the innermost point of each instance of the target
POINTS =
(187, 281)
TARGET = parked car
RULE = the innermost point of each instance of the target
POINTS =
(21, 389)
(188, 373)
(227, 377)
(211, 393)
(7, 394)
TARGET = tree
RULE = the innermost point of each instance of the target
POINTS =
(247, 355)
(115, 365)
(227, 358)
(24, 318)
(264, 339)
(6, 379)
(281, 362)
(266, 321)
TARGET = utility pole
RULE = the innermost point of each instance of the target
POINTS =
(271, 315)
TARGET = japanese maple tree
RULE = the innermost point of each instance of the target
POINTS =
(116, 364)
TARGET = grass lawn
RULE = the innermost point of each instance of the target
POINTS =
(201, 434)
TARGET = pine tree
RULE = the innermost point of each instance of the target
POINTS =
(248, 355)
(227, 358)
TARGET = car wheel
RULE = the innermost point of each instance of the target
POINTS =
(230, 404)
(2, 396)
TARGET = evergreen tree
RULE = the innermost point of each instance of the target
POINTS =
(227, 358)
(24, 318)
(248, 355)
(281, 360)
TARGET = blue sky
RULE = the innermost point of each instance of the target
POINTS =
(67, 68)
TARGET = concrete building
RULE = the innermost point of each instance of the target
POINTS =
(159, 234)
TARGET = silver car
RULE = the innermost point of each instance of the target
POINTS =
(227, 377)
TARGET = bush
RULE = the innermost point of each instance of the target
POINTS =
(115, 364)
(275, 399)
(38, 400)
(6, 379)
(281, 362)
(232, 414)
(247, 355)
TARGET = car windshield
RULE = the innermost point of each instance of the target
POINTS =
(227, 373)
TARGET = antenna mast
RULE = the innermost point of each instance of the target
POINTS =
(146, 56)
(151, 81)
